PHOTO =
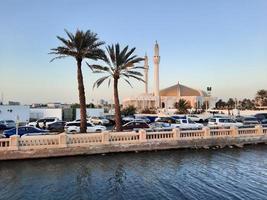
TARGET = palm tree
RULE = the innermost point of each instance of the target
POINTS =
(118, 65)
(80, 45)
(182, 105)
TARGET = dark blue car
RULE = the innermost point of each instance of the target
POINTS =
(24, 130)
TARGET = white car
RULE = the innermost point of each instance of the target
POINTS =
(223, 122)
(99, 120)
(197, 118)
(40, 123)
(186, 124)
(74, 127)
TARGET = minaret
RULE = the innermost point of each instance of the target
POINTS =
(156, 73)
(146, 74)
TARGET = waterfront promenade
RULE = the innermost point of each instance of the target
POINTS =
(63, 144)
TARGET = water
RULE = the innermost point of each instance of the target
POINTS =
(178, 174)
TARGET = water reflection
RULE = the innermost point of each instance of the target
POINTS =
(116, 181)
(182, 174)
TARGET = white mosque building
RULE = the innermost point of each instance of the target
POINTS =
(165, 98)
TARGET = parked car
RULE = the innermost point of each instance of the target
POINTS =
(261, 116)
(3, 127)
(99, 120)
(56, 126)
(169, 120)
(247, 120)
(111, 119)
(223, 122)
(25, 130)
(8, 123)
(264, 122)
(135, 125)
(179, 117)
(44, 121)
(143, 118)
(74, 127)
(197, 118)
(159, 126)
(127, 119)
(186, 124)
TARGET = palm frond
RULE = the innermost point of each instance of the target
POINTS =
(80, 45)
(135, 77)
(128, 82)
(134, 73)
(100, 81)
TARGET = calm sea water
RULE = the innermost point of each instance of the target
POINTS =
(180, 174)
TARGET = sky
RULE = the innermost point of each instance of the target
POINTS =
(222, 44)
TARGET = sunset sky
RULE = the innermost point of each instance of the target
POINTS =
(222, 44)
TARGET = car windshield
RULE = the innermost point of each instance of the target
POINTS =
(10, 121)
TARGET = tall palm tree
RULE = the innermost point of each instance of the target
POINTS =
(80, 45)
(119, 64)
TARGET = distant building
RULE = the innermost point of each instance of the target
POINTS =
(38, 113)
(15, 112)
(54, 105)
(37, 105)
(165, 98)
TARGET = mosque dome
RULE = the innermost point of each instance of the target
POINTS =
(181, 90)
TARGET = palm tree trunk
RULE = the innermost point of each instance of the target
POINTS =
(81, 96)
(117, 107)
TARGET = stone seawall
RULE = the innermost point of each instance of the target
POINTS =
(128, 147)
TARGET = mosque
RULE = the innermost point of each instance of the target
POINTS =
(165, 98)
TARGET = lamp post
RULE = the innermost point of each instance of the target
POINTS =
(17, 125)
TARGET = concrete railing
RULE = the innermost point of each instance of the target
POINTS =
(64, 140)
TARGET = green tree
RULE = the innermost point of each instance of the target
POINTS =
(230, 103)
(80, 45)
(129, 110)
(118, 64)
(247, 104)
(220, 104)
(261, 97)
(182, 106)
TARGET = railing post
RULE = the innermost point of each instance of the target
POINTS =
(206, 131)
(259, 129)
(105, 137)
(14, 142)
(142, 135)
(234, 131)
(63, 140)
(176, 133)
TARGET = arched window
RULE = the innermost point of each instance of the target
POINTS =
(162, 105)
